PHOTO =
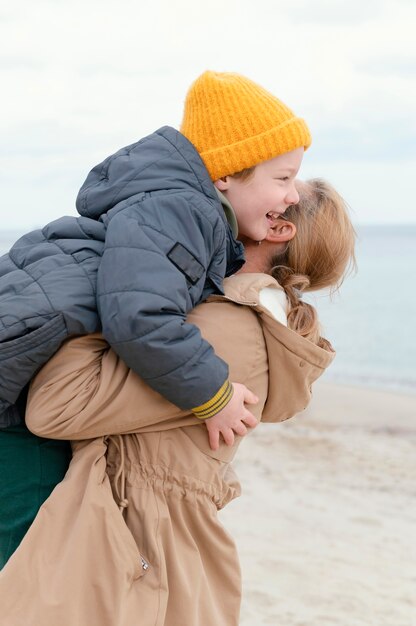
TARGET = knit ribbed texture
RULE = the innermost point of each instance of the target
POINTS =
(235, 124)
(217, 402)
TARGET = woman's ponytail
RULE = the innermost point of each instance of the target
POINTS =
(302, 316)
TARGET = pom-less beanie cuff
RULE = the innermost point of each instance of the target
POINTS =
(253, 150)
(236, 124)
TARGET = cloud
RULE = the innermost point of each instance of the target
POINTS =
(401, 66)
(330, 12)
(16, 63)
(393, 139)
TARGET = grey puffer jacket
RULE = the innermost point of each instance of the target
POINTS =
(151, 243)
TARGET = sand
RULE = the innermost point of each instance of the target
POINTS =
(326, 525)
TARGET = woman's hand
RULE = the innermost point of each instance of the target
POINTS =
(233, 419)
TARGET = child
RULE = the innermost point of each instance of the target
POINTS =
(153, 212)
(151, 242)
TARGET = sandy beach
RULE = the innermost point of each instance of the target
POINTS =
(326, 525)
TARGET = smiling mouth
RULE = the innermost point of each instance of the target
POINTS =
(272, 216)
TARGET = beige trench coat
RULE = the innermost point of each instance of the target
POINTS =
(131, 536)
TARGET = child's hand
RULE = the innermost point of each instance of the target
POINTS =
(234, 418)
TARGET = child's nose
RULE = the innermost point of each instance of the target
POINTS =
(292, 195)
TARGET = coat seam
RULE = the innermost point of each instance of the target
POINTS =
(160, 375)
(26, 270)
(137, 290)
(78, 263)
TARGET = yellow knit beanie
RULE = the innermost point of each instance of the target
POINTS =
(235, 124)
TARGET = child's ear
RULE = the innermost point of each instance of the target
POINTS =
(281, 231)
(222, 184)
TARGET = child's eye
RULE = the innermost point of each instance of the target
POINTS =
(283, 178)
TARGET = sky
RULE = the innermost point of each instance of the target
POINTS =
(82, 79)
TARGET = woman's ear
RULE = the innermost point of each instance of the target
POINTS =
(222, 184)
(281, 231)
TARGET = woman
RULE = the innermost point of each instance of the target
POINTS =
(131, 535)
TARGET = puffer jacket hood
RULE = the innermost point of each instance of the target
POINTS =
(165, 160)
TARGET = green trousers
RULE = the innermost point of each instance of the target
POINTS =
(30, 467)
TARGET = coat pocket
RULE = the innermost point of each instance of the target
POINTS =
(123, 544)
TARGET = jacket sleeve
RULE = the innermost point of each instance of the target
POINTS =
(87, 391)
(152, 273)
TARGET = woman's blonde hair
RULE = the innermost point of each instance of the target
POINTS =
(319, 256)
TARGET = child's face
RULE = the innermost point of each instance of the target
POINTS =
(258, 201)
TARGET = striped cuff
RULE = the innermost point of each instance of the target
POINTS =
(217, 402)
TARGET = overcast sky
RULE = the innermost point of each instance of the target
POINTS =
(81, 79)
